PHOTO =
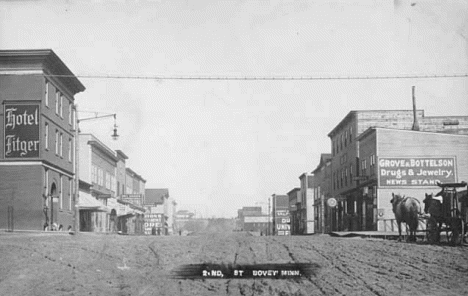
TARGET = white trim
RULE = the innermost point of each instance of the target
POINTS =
(419, 132)
(24, 163)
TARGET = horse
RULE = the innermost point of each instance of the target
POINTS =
(406, 209)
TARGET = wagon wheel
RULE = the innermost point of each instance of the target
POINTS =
(456, 234)
(432, 231)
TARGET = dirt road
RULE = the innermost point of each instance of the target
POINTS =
(93, 264)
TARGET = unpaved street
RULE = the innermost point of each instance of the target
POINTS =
(99, 264)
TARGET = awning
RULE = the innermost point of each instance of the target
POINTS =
(88, 202)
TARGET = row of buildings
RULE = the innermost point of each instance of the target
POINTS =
(54, 177)
(373, 153)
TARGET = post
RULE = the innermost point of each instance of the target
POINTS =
(269, 219)
(76, 210)
(415, 117)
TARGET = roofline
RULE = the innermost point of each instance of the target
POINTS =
(50, 62)
(294, 189)
(354, 112)
(121, 154)
(95, 142)
(373, 128)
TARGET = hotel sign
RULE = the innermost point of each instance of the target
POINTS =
(21, 130)
(416, 171)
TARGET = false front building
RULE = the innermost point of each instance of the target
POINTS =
(37, 159)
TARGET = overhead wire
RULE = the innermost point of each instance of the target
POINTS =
(254, 78)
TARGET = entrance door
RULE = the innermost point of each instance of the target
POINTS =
(369, 215)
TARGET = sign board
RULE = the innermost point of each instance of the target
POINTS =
(256, 219)
(22, 126)
(282, 222)
(416, 171)
(135, 199)
(153, 220)
(331, 202)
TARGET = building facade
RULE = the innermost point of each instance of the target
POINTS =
(37, 128)
(305, 205)
(293, 196)
(409, 163)
(322, 191)
(347, 167)
(98, 166)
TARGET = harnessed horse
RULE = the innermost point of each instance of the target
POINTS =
(406, 209)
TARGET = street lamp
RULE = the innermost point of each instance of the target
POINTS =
(115, 136)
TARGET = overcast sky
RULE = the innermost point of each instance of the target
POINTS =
(219, 145)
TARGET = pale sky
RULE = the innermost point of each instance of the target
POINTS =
(220, 145)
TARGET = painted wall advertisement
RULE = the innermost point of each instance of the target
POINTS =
(153, 220)
(416, 171)
(282, 222)
(21, 130)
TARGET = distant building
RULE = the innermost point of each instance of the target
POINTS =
(293, 196)
(322, 191)
(305, 204)
(159, 211)
(252, 219)
(37, 135)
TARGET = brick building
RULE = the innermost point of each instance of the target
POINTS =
(347, 166)
(37, 128)
(408, 163)
(322, 191)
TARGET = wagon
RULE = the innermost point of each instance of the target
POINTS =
(448, 215)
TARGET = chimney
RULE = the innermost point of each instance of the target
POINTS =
(415, 117)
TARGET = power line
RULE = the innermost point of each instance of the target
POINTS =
(254, 78)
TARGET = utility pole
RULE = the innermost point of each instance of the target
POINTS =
(269, 219)
(76, 210)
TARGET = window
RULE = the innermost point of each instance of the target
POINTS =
(57, 99)
(61, 193)
(346, 138)
(70, 113)
(46, 97)
(108, 181)
(100, 177)
(61, 145)
(46, 135)
(46, 186)
(70, 194)
(70, 145)
(364, 167)
(351, 174)
(342, 178)
(56, 142)
(372, 165)
(350, 134)
(346, 177)
(61, 106)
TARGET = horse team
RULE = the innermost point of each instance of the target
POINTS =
(408, 210)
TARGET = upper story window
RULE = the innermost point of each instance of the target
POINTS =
(70, 145)
(351, 174)
(70, 181)
(61, 106)
(56, 142)
(61, 145)
(346, 138)
(57, 102)
(70, 113)
(350, 134)
(46, 95)
(341, 142)
(364, 167)
(46, 136)
(372, 164)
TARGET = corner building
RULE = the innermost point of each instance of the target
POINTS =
(37, 128)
